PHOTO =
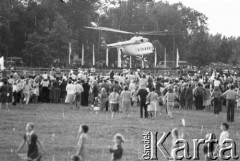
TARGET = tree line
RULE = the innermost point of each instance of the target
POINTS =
(39, 31)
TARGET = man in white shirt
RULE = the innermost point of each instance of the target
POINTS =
(45, 75)
(45, 91)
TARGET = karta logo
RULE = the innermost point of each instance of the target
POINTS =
(152, 146)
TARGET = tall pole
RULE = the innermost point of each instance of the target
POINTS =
(173, 46)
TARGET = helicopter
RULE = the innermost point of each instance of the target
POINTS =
(137, 46)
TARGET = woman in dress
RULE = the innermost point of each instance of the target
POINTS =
(152, 98)
(27, 91)
(103, 99)
(126, 98)
(207, 97)
(170, 98)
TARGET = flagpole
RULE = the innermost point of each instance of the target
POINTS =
(93, 55)
(119, 58)
(69, 53)
(165, 58)
(155, 63)
(177, 60)
(107, 57)
(82, 54)
(130, 59)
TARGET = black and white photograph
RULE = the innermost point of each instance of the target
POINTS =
(119, 80)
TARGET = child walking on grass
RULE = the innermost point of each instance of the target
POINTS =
(82, 142)
(32, 140)
(117, 150)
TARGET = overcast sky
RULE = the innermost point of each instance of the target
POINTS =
(223, 15)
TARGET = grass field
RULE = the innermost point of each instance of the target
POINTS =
(57, 126)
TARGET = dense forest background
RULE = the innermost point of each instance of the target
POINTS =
(39, 31)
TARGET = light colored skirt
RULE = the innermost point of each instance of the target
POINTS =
(152, 106)
(70, 98)
(207, 102)
(126, 106)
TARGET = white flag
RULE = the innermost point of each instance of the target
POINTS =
(2, 63)
(82, 54)
(177, 61)
(107, 57)
(119, 58)
(93, 59)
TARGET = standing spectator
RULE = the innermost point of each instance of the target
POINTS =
(15, 93)
(152, 98)
(216, 99)
(85, 93)
(4, 90)
(142, 93)
(103, 99)
(70, 88)
(207, 97)
(45, 91)
(189, 97)
(63, 91)
(170, 98)
(79, 90)
(143, 82)
(27, 91)
(198, 93)
(183, 97)
(231, 96)
(56, 90)
(126, 98)
(114, 99)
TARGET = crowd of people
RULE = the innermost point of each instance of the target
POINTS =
(118, 92)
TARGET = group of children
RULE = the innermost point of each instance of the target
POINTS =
(33, 143)
(33, 154)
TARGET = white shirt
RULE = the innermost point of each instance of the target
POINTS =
(224, 135)
(78, 88)
(217, 83)
(70, 88)
(45, 83)
(45, 76)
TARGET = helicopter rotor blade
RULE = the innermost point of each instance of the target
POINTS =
(109, 30)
